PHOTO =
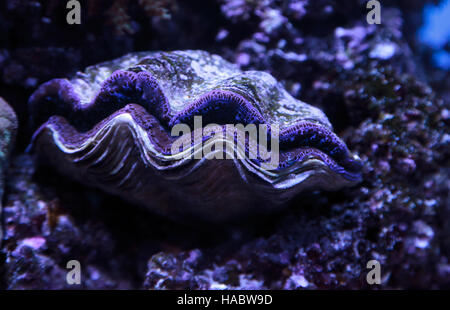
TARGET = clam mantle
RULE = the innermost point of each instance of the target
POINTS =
(8, 129)
(110, 127)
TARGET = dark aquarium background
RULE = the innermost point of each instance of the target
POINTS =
(384, 87)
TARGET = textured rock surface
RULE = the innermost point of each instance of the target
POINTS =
(111, 127)
(8, 129)
(367, 79)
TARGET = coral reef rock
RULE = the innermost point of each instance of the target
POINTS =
(8, 128)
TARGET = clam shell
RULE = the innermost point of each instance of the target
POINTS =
(110, 127)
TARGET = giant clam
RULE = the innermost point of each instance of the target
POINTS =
(110, 127)
(8, 128)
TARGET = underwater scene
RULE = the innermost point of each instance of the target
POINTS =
(224, 145)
